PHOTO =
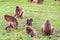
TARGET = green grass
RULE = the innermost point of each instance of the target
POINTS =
(38, 12)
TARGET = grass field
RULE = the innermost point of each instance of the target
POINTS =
(38, 12)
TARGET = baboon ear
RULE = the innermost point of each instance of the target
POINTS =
(31, 19)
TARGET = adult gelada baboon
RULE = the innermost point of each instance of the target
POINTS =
(19, 13)
(47, 28)
(11, 21)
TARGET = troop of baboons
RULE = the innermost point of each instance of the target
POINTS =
(38, 1)
(12, 22)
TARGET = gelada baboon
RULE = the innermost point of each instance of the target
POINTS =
(30, 31)
(12, 21)
(37, 1)
(29, 22)
(47, 28)
(19, 13)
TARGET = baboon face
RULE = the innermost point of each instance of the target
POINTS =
(29, 22)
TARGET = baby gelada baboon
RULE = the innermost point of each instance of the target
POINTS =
(19, 13)
(37, 1)
(47, 28)
(12, 21)
(30, 31)
(29, 22)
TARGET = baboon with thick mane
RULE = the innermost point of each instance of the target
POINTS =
(11, 21)
(47, 28)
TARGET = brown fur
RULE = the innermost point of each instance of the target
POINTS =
(19, 13)
(29, 22)
(30, 0)
(12, 21)
(47, 28)
(37, 1)
(57, 0)
(40, 1)
(30, 31)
